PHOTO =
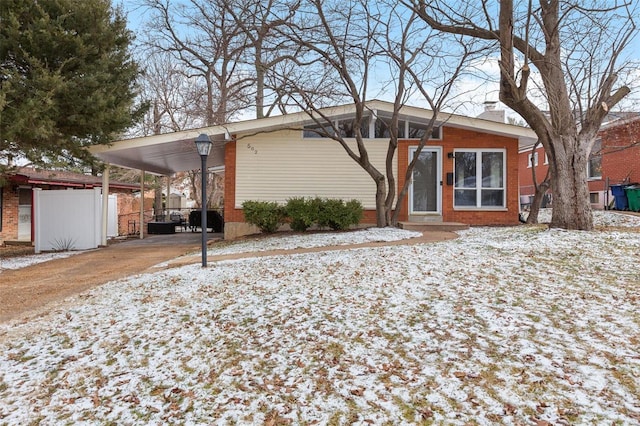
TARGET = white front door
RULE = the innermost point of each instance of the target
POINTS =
(425, 194)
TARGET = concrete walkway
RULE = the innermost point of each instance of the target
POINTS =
(427, 237)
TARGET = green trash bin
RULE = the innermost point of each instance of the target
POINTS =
(633, 196)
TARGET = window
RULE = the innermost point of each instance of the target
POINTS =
(532, 160)
(479, 178)
(594, 197)
(594, 167)
(347, 128)
(546, 159)
(382, 130)
(316, 131)
(417, 131)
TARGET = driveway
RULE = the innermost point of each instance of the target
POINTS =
(27, 289)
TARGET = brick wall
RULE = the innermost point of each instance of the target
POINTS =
(621, 153)
(526, 177)
(620, 160)
(129, 211)
(453, 138)
(231, 214)
(9, 213)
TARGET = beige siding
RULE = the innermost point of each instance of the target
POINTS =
(278, 166)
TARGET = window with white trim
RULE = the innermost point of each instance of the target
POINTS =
(594, 166)
(479, 178)
(532, 159)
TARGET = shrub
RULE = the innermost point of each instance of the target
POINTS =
(338, 215)
(302, 212)
(267, 216)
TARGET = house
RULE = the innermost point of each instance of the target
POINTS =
(16, 197)
(467, 173)
(614, 159)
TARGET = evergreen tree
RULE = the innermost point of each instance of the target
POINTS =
(67, 78)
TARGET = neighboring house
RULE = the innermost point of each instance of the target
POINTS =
(467, 173)
(614, 159)
(16, 197)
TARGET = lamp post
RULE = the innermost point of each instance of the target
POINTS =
(203, 145)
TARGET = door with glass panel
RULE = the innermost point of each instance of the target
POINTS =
(425, 193)
(24, 213)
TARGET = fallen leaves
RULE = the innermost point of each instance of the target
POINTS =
(296, 339)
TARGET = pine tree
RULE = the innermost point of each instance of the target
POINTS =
(67, 78)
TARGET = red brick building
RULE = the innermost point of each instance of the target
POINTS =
(468, 171)
(16, 197)
(615, 159)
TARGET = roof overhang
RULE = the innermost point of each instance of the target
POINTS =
(176, 152)
(161, 154)
(41, 179)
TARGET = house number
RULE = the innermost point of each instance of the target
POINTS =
(252, 148)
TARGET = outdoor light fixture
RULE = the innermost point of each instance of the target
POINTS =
(203, 145)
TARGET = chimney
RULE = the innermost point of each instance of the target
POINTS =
(493, 114)
(490, 105)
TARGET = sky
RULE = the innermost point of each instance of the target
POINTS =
(474, 92)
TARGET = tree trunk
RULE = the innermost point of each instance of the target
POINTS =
(571, 205)
(540, 188)
(260, 76)
(536, 203)
(381, 196)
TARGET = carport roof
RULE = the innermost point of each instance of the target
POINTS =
(34, 176)
(175, 152)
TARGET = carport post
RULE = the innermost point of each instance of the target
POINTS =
(105, 204)
(203, 145)
(141, 204)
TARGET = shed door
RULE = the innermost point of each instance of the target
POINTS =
(426, 191)
(24, 213)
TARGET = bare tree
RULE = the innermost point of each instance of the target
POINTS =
(203, 37)
(173, 96)
(266, 49)
(348, 42)
(577, 50)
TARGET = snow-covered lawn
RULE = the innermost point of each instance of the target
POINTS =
(600, 218)
(503, 325)
(277, 242)
(19, 262)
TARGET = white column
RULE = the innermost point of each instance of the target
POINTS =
(168, 192)
(141, 204)
(105, 204)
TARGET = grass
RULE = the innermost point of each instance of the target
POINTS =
(501, 326)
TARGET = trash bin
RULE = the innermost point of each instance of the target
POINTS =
(621, 201)
(633, 197)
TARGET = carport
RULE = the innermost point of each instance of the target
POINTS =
(169, 153)
(161, 155)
